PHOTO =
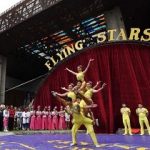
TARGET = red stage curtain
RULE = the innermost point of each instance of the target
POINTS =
(126, 70)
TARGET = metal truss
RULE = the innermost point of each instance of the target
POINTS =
(22, 11)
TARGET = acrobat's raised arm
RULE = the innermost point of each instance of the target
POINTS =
(62, 95)
(63, 88)
(96, 85)
(95, 91)
(86, 69)
(74, 73)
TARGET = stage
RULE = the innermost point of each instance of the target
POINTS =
(58, 141)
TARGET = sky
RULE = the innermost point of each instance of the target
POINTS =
(5, 4)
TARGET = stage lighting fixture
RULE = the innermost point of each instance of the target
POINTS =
(36, 51)
(41, 54)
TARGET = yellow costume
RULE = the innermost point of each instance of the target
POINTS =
(126, 119)
(82, 106)
(78, 120)
(80, 76)
(72, 95)
(89, 93)
(142, 113)
(85, 111)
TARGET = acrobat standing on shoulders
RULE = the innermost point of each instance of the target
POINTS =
(80, 73)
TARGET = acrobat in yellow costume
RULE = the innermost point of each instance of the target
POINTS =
(78, 120)
(80, 76)
(126, 120)
(89, 93)
(71, 95)
(142, 113)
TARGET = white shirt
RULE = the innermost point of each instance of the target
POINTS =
(18, 114)
(26, 117)
(67, 117)
(45, 113)
(6, 113)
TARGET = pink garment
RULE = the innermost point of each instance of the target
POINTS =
(62, 123)
(38, 121)
(49, 121)
(54, 120)
(5, 122)
(44, 120)
(32, 121)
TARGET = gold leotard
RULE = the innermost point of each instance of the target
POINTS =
(89, 93)
(80, 76)
(72, 95)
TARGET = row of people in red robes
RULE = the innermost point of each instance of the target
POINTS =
(47, 119)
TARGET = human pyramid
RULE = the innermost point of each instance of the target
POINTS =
(79, 102)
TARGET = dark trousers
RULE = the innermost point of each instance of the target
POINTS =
(11, 123)
(1, 123)
(26, 126)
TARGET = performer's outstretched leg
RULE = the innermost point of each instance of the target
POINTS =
(125, 126)
(141, 125)
(147, 125)
(129, 126)
(88, 101)
(75, 128)
(91, 132)
(61, 100)
(83, 85)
